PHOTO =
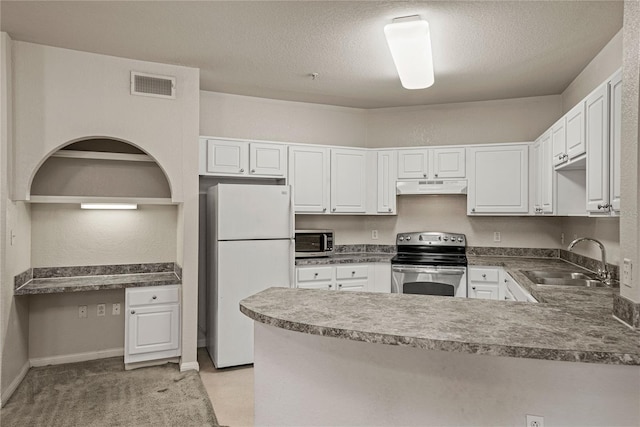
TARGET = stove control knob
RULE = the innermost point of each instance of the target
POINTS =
(459, 239)
(445, 238)
(408, 237)
(401, 238)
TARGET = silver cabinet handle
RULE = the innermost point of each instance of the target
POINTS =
(324, 209)
(484, 276)
(605, 206)
(330, 286)
(389, 209)
(133, 312)
(424, 175)
(334, 209)
(154, 297)
(473, 210)
(435, 174)
(473, 287)
(353, 273)
(505, 280)
(253, 171)
(315, 274)
(241, 170)
(340, 286)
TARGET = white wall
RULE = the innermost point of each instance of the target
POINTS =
(603, 65)
(507, 120)
(235, 116)
(303, 379)
(14, 254)
(630, 202)
(65, 235)
(445, 213)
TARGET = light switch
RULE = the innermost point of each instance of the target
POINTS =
(627, 272)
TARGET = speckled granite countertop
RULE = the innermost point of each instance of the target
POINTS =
(51, 280)
(345, 258)
(568, 324)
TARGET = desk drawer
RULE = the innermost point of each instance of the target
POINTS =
(488, 275)
(352, 272)
(153, 295)
(309, 274)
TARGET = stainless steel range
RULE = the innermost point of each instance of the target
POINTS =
(430, 263)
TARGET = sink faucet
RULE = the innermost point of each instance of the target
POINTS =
(603, 273)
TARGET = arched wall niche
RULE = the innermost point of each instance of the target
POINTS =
(98, 167)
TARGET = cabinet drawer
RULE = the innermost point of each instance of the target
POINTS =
(352, 272)
(314, 274)
(153, 295)
(483, 275)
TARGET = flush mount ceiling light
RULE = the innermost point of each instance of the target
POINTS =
(108, 206)
(410, 45)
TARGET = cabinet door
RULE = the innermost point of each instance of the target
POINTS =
(498, 180)
(309, 177)
(546, 174)
(559, 142)
(267, 159)
(483, 291)
(227, 157)
(615, 92)
(153, 328)
(348, 180)
(413, 163)
(353, 285)
(597, 139)
(449, 162)
(575, 131)
(386, 185)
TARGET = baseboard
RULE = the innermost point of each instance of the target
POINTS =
(6, 394)
(189, 366)
(77, 357)
(202, 342)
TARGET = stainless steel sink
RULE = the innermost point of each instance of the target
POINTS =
(563, 278)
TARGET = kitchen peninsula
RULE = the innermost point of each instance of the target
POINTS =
(444, 357)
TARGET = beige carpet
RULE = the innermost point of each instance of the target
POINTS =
(102, 393)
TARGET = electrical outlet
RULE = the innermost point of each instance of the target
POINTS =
(82, 311)
(12, 237)
(496, 236)
(102, 310)
(374, 234)
(115, 309)
(627, 272)
(535, 421)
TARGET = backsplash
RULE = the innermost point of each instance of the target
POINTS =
(518, 252)
(364, 248)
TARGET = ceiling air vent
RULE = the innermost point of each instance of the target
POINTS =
(152, 85)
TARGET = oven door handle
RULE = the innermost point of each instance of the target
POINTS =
(449, 271)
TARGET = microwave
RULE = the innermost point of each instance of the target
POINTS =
(314, 243)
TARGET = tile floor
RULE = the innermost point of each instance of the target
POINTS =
(230, 391)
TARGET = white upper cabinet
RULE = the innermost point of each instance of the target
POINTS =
(432, 163)
(309, 177)
(615, 127)
(386, 182)
(225, 157)
(559, 142)
(413, 163)
(448, 162)
(576, 145)
(597, 139)
(242, 158)
(267, 159)
(498, 179)
(348, 180)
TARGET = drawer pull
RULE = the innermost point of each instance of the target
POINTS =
(133, 312)
(473, 287)
(484, 276)
(154, 297)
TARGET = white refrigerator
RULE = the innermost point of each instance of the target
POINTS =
(250, 232)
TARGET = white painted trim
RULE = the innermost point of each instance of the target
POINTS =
(98, 155)
(189, 366)
(6, 394)
(90, 199)
(77, 357)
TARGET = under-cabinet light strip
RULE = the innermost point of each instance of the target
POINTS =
(108, 206)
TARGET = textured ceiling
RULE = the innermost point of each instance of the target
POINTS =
(482, 50)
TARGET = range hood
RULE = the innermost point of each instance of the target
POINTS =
(431, 186)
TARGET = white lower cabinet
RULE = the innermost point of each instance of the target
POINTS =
(152, 323)
(345, 277)
(496, 284)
